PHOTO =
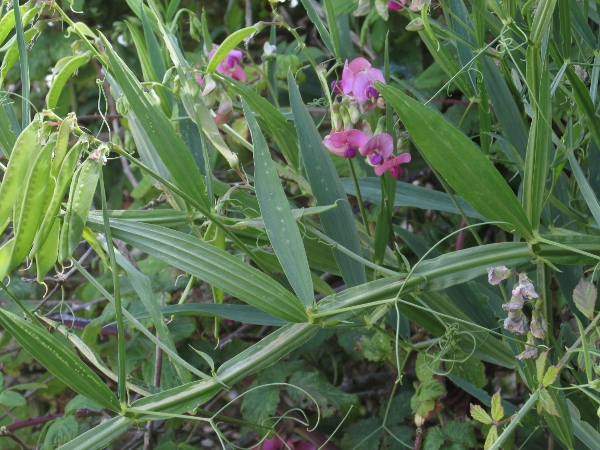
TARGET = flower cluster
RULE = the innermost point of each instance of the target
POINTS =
(230, 66)
(351, 134)
(517, 321)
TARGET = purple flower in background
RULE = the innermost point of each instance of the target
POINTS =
(396, 5)
(358, 78)
(378, 148)
(231, 64)
(345, 143)
(393, 165)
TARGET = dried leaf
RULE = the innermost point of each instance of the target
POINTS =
(584, 296)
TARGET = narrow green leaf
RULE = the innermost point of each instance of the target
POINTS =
(539, 145)
(330, 14)
(7, 135)
(410, 195)
(281, 226)
(505, 107)
(580, 24)
(582, 429)
(584, 103)
(325, 36)
(168, 144)
(231, 42)
(541, 20)
(25, 83)
(239, 313)
(210, 264)
(584, 186)
(59, 360)
(327, 189)
(154, 52)
(270, 119)
(460, 162)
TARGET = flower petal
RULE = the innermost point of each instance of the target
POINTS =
(239, 74)
(356, 138)
(383, 143)
(347, 80)
(358, 65)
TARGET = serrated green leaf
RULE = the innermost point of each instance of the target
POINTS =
(497, 408)
(461, 432)
(540, 366)
(471, 370)
(210, 264)
(364, 434)
(59, 360)
(280, 224)
(61, 431)
(479, 414)
(460, 162)
(11, 399)
(547, 402)
(435, 438)
(338, 224)
(585, 295)
(329, 398)
(550, 376)
(491, 437)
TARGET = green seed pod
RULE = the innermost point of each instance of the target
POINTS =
(28, 143)
(62, 144)
(5, 252)
(81, 195)
(30, 213)
(46, 257)
(60, 189)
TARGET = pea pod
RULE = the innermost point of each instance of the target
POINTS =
(62, 72)
(62, 144)
(5, 252)
(81, 195)
(46, 257)
(30, 213)
(28, 143)
(12, 55)
(60, 189)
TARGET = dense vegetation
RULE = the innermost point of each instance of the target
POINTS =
(310, 224)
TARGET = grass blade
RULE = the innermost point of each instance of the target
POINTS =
(23, 59)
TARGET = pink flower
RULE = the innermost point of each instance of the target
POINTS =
(378, 148)
(393, 165)
(396, 5)
(277, 444)
(345, 143)
(231, 64)
(358, 78)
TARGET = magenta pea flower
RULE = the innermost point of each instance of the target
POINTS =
(393, 165)
(358, 78)
(345, 143)
(378, 148)
(231, 64)
(396, 5)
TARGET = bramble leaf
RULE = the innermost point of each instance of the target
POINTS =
(584, 296)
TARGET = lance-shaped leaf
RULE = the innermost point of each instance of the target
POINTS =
(168, 144)
(59, 360)
(327, 189)
(208, 263)
(460, 162)
(279, 221)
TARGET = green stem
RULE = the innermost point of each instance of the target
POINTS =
(516, 420)
(122, 366)
(363, 214)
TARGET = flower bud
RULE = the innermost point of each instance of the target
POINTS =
(497, 274)
(225, 111)
(354, 114)
(415, 25)
(348, 125)
(122, 105)
(336, 117)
